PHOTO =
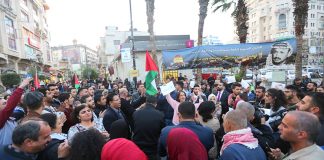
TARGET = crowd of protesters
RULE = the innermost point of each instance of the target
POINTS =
(119, 121)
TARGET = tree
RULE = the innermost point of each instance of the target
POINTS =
(203, 8)
(89, 73)
(150, 23)
(300, 16)
(240, 15)
(10, 79)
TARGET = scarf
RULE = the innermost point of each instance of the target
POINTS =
(242, 136)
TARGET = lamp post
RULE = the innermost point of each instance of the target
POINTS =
(132, 39)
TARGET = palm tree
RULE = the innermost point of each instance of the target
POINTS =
(300, 16)
(240, 15)
(202, 15)
(150, 22)
(203, 8)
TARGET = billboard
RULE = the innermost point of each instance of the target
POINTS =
(72, 55)
(279, 52)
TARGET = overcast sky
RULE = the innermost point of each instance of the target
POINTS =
(85, 20)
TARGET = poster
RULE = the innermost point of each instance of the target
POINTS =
(279, 52)
(125, 55)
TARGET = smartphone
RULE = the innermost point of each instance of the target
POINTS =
(267, 147)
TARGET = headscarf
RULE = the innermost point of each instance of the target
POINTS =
(119, 129)
(184, 144)
(121, 149)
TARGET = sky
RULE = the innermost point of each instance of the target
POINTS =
(85, 20)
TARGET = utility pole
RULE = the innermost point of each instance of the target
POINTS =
(132, 39)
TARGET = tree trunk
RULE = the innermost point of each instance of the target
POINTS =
(202, 16)
(298, 60)
(150, 22)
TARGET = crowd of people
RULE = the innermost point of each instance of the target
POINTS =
(104, 120)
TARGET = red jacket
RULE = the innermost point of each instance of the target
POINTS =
(12, 102)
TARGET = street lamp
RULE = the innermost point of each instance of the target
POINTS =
(132, 39)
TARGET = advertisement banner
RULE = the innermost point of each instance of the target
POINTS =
(276, 53)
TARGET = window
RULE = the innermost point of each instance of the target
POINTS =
(312, 15)
(10, 30)
(264, 28)
(312, 6)
(282, 21)
(24, 17)
(7, 3)
(312, 24)
(35, 10)
(36, 25)
(269, 28)
(319, 7)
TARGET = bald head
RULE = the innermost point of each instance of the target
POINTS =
(234, 120)
(247, 109)
(308, 122)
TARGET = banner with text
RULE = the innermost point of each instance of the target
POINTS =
(276, 53)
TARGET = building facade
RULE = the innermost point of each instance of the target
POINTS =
(270, 20)
(110, 43)
(25, 38)
(72, 58)
(141, 45)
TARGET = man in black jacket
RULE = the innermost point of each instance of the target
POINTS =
(127, 107)
(113, 112)
(148, 123)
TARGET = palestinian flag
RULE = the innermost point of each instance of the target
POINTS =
(36, 81)
(76, 81)
(152, 70)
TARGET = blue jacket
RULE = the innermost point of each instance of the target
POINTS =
(241, 152)
(204, 134)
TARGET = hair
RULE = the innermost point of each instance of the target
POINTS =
(83, 88)
(262, 88)
(33, 100)
(187, 110)
(110, 97)
(315, 84)
(122, 90)
(206, 109)
(27, 130)
(318, 101)
(76, 111)
(196, 85)
(50, 118)
(178, 95)
(84, 98)
(292, 87)
(151, 99)
(70, 89)
(235, 84)
(180, 83)
(63, 97)
(307, 122)
(244, 97)
(87, 145)
(247, 109)
(210, 96)
(119, 129)
(236, 118)
(51, 85)
(97, 97)
(279, 98)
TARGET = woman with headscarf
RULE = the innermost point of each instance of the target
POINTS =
(184, 144)
(122, 149)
